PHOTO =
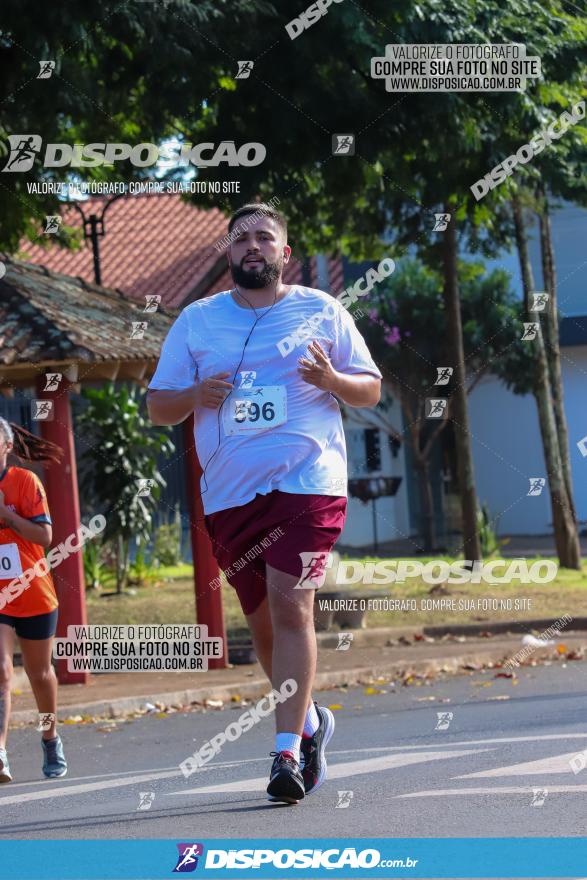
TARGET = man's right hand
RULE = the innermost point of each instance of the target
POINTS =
(211, 392)
(173, 407)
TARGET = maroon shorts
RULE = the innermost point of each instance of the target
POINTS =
(293, 533)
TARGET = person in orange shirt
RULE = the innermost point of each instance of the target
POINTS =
(29, 613)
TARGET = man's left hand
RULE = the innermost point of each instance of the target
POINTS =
(319, 372)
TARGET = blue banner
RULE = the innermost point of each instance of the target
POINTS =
(497, 857)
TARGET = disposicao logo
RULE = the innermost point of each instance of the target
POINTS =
(24, 149)
(187, 859)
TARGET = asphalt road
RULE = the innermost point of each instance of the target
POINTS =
(501, 768)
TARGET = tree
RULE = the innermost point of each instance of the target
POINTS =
(413, 158)
(120, 464)
(407, 334)
(565, 528)
(124, 73)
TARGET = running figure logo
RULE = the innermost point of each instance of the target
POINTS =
(152, 302)
(344, 799)
(188, 857)
(52, 381)
(47, 68)
(530, 331)
(314, 570)
(244, 69)
(441, 222)
(343, 145)
(540, 301)
(537, 484)
(444, 719)
(46, 719)
(539, 795)
(23, 150)
(344, 641)
(145, 487)
(52, 224)
(247, 378)
(444, 374)
(42, 410)
(436, 408)
(138, 329)
(146, 799)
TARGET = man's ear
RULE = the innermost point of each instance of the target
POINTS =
(286, 253)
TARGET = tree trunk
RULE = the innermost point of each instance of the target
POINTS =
(460, 415)
(119, 563)
(422, 467)
(553, 347)
(565, 529)
(125, 555)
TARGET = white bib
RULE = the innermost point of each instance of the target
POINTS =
(259, 408)
(10, 564)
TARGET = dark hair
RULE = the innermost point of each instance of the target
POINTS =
(262, 209)
(29, 447)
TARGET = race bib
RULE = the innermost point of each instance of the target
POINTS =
(10, 564)
(255, 409)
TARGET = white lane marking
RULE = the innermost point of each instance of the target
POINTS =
(70, 786)
(237, 762)
(73, 779)
(84, 788)
(335, 771)
(501, 789)
(552, 764)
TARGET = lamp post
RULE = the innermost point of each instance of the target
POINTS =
(94, 228)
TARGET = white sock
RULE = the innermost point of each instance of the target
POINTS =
(288, 742)
(312, 722)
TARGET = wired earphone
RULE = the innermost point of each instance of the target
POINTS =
(234, 377)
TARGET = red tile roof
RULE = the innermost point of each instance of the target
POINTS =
(156, 244)
(46, 316)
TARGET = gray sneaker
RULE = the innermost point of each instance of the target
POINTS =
(54, 763)
(5, 774)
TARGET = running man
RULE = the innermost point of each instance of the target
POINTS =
(30, 614)
(269, 437)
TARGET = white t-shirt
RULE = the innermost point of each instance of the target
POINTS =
(305, 452)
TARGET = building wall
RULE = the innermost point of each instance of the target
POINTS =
(507, 448)
(392, 514)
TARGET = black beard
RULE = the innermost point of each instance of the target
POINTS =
(255, 279)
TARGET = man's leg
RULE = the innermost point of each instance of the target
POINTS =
(262, 635)
(294, 646)
(261, 630)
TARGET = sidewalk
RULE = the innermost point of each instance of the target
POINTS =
(369, 657)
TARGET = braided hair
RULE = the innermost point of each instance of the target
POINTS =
(29, 447)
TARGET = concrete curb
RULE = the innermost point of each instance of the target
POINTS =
(253, 689)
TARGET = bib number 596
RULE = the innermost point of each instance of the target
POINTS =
(251, 411)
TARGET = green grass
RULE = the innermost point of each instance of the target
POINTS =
(171, 600)
(168, 600)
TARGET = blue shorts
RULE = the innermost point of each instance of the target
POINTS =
(40, 626)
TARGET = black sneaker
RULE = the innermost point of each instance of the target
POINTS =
(313, 750)
(285, 782)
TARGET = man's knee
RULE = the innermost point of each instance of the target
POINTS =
(292, 616)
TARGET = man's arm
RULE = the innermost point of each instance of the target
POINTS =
(358, 389)
(172, 407)
(354, 389)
